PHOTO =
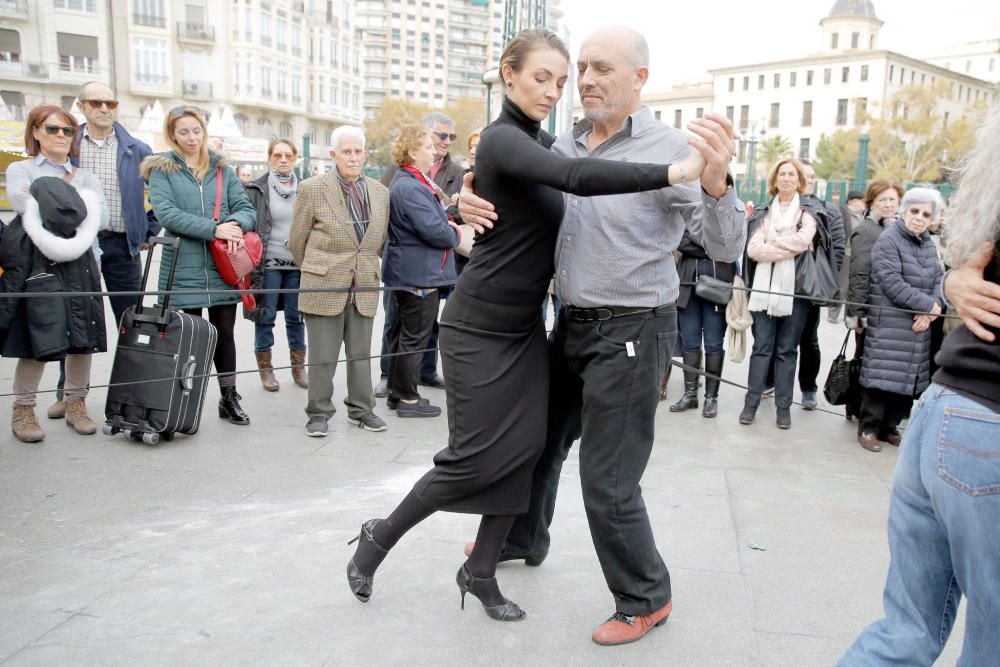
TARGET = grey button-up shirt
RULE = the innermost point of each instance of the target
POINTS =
(616, 250)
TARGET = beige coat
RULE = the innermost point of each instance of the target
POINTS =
(326, 248)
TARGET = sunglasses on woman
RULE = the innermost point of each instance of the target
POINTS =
(53, 130)
(926, 215)
(177, 112)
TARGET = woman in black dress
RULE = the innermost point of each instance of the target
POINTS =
(492, 336)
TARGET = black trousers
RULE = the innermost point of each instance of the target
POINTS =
(429, 361)
(882, 411)
(605, 394)
(809, 354)
(415, 318)
(122, 272)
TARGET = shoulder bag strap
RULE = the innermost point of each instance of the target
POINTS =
(218, 194)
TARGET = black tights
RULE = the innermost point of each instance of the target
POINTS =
(223, 318)
(482, 563)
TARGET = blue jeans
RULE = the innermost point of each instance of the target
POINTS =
(557, 305)
(777, 339)
(268, 304)
(943, 538)
(701, 319)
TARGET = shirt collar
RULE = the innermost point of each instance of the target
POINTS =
(633, 124)
(67, 166)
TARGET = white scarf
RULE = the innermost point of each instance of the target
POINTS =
(57, 248)
(776, 276)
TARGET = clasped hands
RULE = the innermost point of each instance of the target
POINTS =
(714, 147)
(232, 234)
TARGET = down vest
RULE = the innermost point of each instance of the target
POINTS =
(905, 274)
(184, 207)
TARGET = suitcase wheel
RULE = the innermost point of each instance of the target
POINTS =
(151, 438)
(127, 433)
(108, 429)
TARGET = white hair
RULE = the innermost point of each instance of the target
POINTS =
(346, 131)
(975, 213)
(922, 196)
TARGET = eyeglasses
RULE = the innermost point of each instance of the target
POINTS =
(177, 112)
(97, 104)
(53, 130)
(926, 215)
(443, 136)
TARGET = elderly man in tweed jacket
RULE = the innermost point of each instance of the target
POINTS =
(338, 233)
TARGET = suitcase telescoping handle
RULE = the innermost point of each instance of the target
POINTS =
(174, 243)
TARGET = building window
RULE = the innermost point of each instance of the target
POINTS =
(285, 130)
(902, 75)
(871, 42)
(10, 48)
(809, 77)
(265, 81)
(282, 85)
(14, 101)
(699, 112)
(729, 113)
(845, 74)
(807, 113)
(892, 72)
(280, 33)
(777, 79)
(149, 13)
(864, 73)
(242, 122)
(993, 64)
(841, 112)
(855, 37)
(744, 116)
(834, 40)
(746, 83)
(265, 28)
(677, 118)
(804, 149)
(296, 89)
(732, 83)
(827, 75)
(149, 61)
(77, 53)
(792, 77)
(860, 109)
(656, 115)
(760, 82)
(775, 111)
(77, 5)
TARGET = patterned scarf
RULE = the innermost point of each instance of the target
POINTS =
(358, 205)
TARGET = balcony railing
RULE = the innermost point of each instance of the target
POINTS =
(197, 89)
(14, 8)
(197, 32)
(149, 20)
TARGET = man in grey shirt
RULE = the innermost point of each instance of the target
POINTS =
(611, 343)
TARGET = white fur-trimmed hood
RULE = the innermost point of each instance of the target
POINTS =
(56, 248)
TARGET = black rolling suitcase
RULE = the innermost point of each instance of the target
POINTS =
(158, 379)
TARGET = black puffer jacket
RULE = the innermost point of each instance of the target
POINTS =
(48, 328)
(858, 280)
(905, 274)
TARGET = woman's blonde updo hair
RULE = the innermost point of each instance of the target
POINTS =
(409, 138)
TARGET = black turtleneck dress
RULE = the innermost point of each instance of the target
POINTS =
(492, 338)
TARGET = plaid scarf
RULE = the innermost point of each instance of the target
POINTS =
(356, 198)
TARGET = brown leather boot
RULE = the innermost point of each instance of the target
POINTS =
(266, 373)
(299, 375)
(77, 417)
(25, 425)
(57, 410)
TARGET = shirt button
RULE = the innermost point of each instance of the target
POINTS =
(575, 202)
(569, 237)
(563, 273)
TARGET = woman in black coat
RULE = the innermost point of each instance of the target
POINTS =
(897, 360)
(51, 250)
(699, 320)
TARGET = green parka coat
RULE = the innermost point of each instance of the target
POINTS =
(184, 207)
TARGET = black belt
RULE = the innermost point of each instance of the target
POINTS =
(602, 313)
(110, 235)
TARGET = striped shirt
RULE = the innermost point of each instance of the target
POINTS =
(101, 158)
(617, 250)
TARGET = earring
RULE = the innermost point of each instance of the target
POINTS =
(509, 84)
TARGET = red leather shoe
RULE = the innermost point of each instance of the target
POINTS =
(623, 629)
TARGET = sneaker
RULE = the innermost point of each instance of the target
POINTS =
(382, 388)
(316, 428)
(783, 417)
(809, 401)
(422, 408)
(369, 421)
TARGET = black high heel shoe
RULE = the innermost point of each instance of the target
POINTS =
(507, 611)
(360, 583)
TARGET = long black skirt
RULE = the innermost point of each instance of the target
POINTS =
(495, 364)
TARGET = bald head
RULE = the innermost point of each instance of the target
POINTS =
(96, 102)
(629, 42)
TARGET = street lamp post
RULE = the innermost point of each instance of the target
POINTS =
(750, 184)
(861, 167)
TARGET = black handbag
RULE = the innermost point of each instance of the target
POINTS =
(837, 387)
(815, 276)
(712, 289)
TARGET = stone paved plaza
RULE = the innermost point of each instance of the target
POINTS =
(229, 548)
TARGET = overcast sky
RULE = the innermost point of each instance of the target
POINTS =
(687, 38)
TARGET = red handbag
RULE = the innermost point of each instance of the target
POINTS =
(235, 269)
